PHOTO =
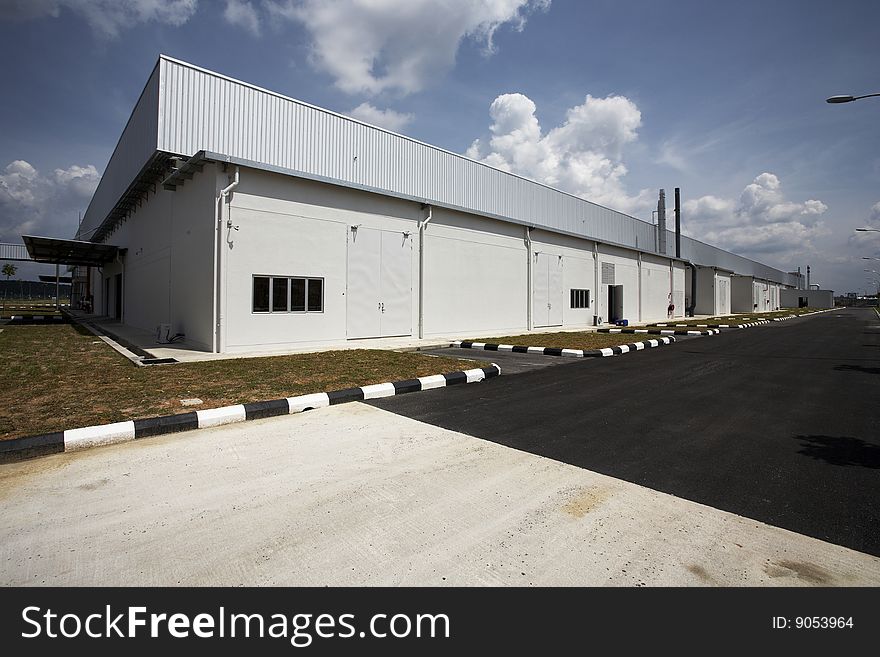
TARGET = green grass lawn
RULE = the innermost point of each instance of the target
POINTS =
(62, 377)
(566, 340)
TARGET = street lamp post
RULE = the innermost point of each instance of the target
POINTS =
(834, 100)
(876, 281)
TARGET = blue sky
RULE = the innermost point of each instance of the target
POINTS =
(609, 99)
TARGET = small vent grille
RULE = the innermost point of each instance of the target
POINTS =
(607, 273)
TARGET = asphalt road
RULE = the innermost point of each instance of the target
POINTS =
(778, 423)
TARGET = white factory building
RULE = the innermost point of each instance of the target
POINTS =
(247, 220)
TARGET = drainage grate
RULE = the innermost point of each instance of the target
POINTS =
(158, 361)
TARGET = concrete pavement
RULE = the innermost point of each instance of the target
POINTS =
(778, 423)
(355, 495)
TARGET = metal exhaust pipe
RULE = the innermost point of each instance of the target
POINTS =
(661, 223)
(677, 222)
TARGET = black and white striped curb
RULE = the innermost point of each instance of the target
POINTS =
(16, 306)
(17, 449)
(558, 351)
(815, 312)
(717, 326)
(37, 318)
(659, 331)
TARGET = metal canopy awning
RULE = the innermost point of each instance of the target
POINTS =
(56, 251)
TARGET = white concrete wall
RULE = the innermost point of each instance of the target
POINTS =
(167, 270)
(104, 293)
(294, 227)
(815, 298)
(578, 272)
(476, 276)
(656, 285)
(476, 268)
(711, 299)
(146, 267)
(742, 294)
(705, 293)
(626, 273)
(192, 257)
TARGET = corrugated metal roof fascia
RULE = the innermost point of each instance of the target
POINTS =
(432, 147)
(137, 143)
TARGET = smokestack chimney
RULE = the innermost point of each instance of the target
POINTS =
(661, 222)
(677, 222)
(800, 280)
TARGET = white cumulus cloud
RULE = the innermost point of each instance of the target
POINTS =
(107, 18)
(31, 202)
(873, 217)
(763, 221)
(387, 118)
(371, 46)
(243, 14)
(870, 239)
(583, 155)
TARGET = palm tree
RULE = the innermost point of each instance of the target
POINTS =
(9, 270)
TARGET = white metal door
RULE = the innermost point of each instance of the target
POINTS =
(554, 291)
(722, 305)
(540, 290)
(616, 311)
(363, 285)
(678, 302)
(395, 302)
(379, 286)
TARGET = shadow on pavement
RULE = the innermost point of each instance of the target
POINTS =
(858, 368)
(841, 450)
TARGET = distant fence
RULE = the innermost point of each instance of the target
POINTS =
(13, 251)
(31, 290)
(850, 302)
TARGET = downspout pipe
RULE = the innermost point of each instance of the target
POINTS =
(690, 309)
(640, 284)
(218, 215)
(224, 194)
(422, 224)
(529, 318)
(218, 259)
(596, 285)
